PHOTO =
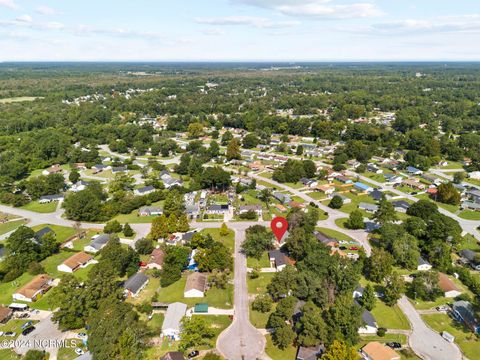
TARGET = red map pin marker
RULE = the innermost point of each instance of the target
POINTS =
(279, 226)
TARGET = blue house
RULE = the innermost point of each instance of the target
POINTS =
(362, 187)
(463, 312)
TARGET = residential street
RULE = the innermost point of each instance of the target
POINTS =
(426, 343)
(241, 341)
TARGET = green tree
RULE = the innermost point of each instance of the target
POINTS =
(214, 149)
(459, 177)
(299, 151)
(172, 223)
(144, 246)
(336, 202)
(282, 282)
(250, 141)
(226, 138)
(174, 204)
(355, 220)
(195, 130)
(84, 205)
(448, 194)
(344, 319)
(257, 241)
(262, 303)
(233, 150)
(265, 195)
(195, 332)
(183, 225)
(74, 176)
(311, 327)
(425, 286)
(394, 288)
(127, 230)
(283, 336)
(385, 213)
(112, 227)
(159, 229)
(379, 265)
(339, 350)
(368, 298)
(405, 251)
(34, 355)
(224, 231)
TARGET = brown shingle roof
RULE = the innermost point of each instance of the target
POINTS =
(77, 260)
(156, 257)
(196, 281)
(38, 282)
(445, 283)
(4, 313)
(377, 351)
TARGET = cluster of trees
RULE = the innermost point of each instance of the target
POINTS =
(164, 225)
(114, 227)
(175, 260)
(24, 252)
(211, 255)
(294, 170)
(257, 240)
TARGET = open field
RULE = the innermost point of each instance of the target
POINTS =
(41, 208)
(19, 99)
(11, 225)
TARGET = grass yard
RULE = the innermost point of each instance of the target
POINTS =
(155, 323)
(264, 261)
(7, 289)
(316, 195)
(278, 354)
(13, 325)
(68, 353)
(452, 208)
(219, 298)
(259, 319)
(50, 264)
(341, 222)
(147, 293)
(335, 234)
(469, 242)
(228, 240)
(62, 232)
(11, 225)
(266, 175)
(41, 208)
(259, 285)
(402, 339)
(464, 338)
(218, 323)
(470, 215)
(8, 354)
(353, 205)
(297, 185)
(390, 317)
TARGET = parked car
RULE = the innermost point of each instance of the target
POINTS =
(28, 330)
(193, 354)
(79, 351)
(82, 335)
(10, 333)
(26, 325)
(442, 308)
(394, 345)
(354, 248)
(343, 248)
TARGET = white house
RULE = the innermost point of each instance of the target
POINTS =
(423, 265)
(75, 262)
(135, 284)
(448, 287)
(173, 317)
(144, 190)
(369, 324)
(97, 243)
(33, 290)
(195, 286)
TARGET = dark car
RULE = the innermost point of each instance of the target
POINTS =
(394, 345)
(193, 354)
(343, 248)
(28, 330)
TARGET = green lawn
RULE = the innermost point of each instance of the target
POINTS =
(277, 354)
(13, 325)
(8, 354)
(469, 242)
(264, 261)
(218, 323)
(50, 264)
(464, 338)
(317, 195)
(41, 208)
(353, 205)
(147, 293)
(220, 298)
(470, 215)
(335, 234)
(297, 185)
(68, 353)
(228, 240)
(155, 323)
(341, 222)
(259, 285)
(7, 289)
(258, 319)
(390, 317)
(11, 225)
(62, 232)
(452, 208)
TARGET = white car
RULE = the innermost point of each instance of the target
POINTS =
(79, 351)
(82, 335)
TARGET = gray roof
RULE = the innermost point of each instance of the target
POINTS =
(310, 353)
(217, 207)
(368, 319)
(401, 204)
(119, 168)
(465, 310)
(422, 261)
(468, 254)
(100, 241)
(146, 189)
(173, 355)
(368, 207)
(51, 197)
(323, 238)
(188, 235)
(42, 232)
(135, 282)
(175, 312)
(376, 194)
(278, 256)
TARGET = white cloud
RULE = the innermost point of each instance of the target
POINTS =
(321, 9)
(445, 24)
(213, 32)
(24, 18)
(258, 22)
(9, 4)
(46, 10)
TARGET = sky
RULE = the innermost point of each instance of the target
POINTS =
(239, 30)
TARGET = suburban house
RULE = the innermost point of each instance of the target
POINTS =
(168, 180)
(374, 169)
(97, 243)
(150, 211)
(325, 239)
(156, 259)
(376, 351)
(99, 168)
(42, 232)
(5, 314)
(80, 166)
(54, 169)
(368, 207)
(362, 187)
(283, 198)
(400, 206)
(432, 178)
(470, 257)
(376, 195)
(392, 178)
(423, 265)
(343, 179)
(135, 284)
(369, 323)
(413, 170)
(34, 289)
(218, 209)
(118, 169)
(45, 199)
(346, 200)
(280, 207)
(144, 190)
(414, 184)
(195, 285)
(80, 185)
(448, 287)
(173, 355)
(474, 195)
(470, 205)
(309, 182)
(75, 262)
(310, 353)
(278, 259)
(463, 312)
(358, 292)
(326, 189)
(172, 322)
(246, 208)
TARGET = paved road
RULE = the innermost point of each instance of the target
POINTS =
(241, 341)
(174, 160)
(425, 342)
